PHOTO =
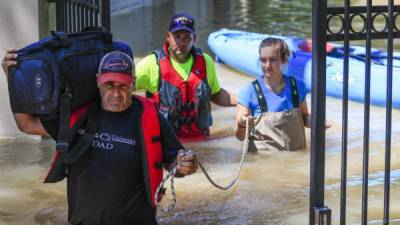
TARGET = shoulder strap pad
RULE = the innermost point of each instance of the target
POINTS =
(295, 93)
(260, 96)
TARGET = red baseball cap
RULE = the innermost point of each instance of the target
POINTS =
(116, 66)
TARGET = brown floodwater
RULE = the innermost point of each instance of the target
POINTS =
(273, 187)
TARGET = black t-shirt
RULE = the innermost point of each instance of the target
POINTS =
(106, 185)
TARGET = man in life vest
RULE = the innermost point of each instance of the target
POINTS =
(114, 179)
(182, 80)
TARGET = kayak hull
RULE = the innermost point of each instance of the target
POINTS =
(239, 50)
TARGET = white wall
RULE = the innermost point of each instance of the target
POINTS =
(18, 27)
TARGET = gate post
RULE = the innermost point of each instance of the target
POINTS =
(322, 216)
(317, 164)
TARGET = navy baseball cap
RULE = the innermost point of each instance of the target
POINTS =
(182, 21)
(116, 66)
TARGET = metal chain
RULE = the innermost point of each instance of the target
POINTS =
(171, 174)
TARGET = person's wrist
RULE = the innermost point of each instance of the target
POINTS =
(240, 125)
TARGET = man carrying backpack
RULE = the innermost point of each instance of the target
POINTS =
(115, 179)
(182, 80)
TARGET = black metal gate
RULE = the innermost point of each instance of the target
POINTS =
(74, 15)
(322, 32)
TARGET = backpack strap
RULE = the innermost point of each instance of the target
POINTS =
(295, 94)
(62, 38)
(64, 132)
(86, 139)
(66, 137)
(260, 96)
(106, 35)
(67, 133)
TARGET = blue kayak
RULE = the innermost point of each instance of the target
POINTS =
(239, 50)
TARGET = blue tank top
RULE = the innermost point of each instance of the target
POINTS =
(277, 102)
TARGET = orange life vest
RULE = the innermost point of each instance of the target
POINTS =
(151, 148)
(185, 103)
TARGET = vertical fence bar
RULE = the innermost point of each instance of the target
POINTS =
(74, 14)
(105, 14)
(78, 15)
(60, 6)
(82, 23)
(83, 9)
(65, 9)
(364, 218)
(65, 16)
(79, 12)
(70, 19)
(97, 10)
(317, 164)
(91, 13)
(345, 100)
(86, 14)
(388, 137)
(81, 15)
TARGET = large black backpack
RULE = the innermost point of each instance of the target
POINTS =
(57, 65)
(55, 75)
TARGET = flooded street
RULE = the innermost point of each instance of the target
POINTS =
(273, 188)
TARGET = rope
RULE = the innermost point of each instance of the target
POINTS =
(244, 151)
(171, 174)
(157, 200)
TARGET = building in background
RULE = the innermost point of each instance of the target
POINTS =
(19, 25)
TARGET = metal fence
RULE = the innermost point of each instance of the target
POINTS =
(74, 15)
(322, 32)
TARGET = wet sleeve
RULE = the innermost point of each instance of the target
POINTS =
(211, 74)
(169, 142)
(245, 96)
(146, 72)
